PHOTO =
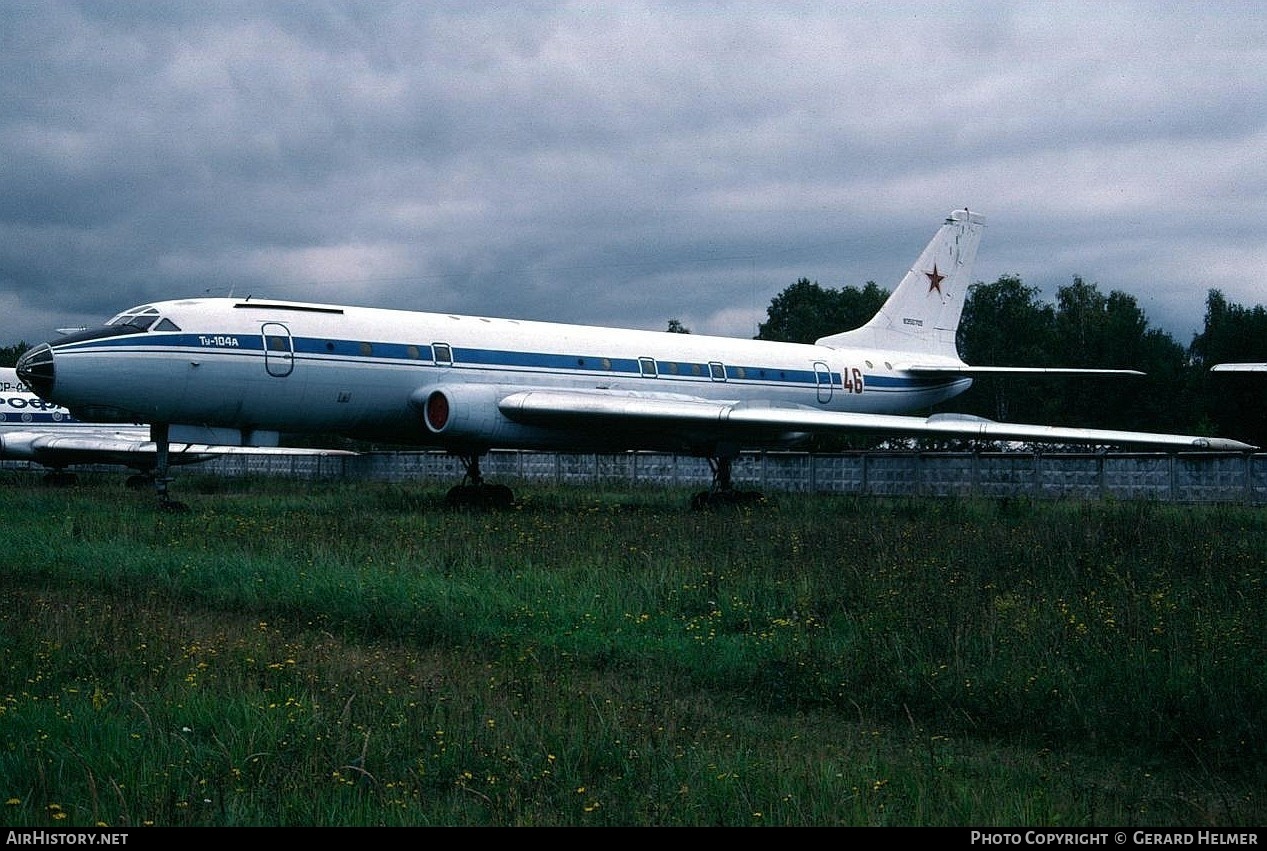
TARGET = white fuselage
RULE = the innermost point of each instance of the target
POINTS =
(293, 367)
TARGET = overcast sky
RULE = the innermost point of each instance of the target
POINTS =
(621, 163)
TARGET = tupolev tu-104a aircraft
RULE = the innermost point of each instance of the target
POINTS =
(472, 383)
(33, 429)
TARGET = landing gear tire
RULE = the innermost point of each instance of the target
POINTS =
(474, 492)
(480, 496)
(723, 494)
(705, 500)
(172, 506)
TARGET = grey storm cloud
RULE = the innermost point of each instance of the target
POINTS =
(620, 163)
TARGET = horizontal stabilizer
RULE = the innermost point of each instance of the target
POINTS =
(964, 369)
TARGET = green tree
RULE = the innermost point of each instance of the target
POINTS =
(1234, 404)
(805, 311)
(1095, 331)
(1005, 324)
(676, 327)
(9, 354)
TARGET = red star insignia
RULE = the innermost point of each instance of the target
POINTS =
(934, 280)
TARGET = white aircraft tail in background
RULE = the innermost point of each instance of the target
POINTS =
(468, 384)
(1239, 367)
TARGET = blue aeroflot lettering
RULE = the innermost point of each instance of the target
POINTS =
(489, 383)
(33, 402)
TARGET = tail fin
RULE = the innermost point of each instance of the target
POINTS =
(922, 314)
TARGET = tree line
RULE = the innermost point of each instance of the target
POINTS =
(1005, 323)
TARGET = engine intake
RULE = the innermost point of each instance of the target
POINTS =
(466, 412)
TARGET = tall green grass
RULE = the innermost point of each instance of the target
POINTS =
(360, 654)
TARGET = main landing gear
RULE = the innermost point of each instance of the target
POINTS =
(162, 478)
(474, 492)
(723, 492)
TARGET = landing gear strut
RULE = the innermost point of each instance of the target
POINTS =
(162, 466)
(723, 491)
(474, 491)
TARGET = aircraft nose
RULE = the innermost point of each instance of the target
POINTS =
(35, 368)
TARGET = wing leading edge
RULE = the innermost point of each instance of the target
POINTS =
(568, 409)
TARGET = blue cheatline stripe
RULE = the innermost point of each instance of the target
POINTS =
(357, 351)
(903, 383)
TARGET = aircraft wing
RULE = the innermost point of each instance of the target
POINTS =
(965, 369)
(612, 409)
(130, 447)
(1239, 367)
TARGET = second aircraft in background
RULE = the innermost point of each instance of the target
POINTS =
(32, 429)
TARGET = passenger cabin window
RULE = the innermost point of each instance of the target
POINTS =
(442, 353)
(647, 367)
(717, 371)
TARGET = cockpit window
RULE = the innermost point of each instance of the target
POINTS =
(138, 317)
(166, 325)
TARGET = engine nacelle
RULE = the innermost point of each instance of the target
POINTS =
(463, 412)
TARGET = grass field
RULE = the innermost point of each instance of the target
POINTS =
(360, 654)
